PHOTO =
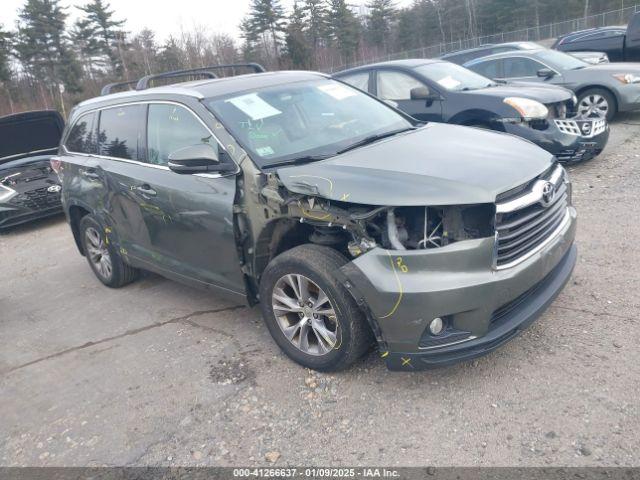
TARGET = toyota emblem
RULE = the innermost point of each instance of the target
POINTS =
(548, 193)
(54, 189)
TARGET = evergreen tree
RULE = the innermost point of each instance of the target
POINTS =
(109, 35)
(316, 16)
(42, 45)
(266, 21)
(5, 52)
(87, 47)
(297, 46)
(379, 21)
(170, 56)
(344, 29)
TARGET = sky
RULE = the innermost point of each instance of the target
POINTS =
(166, 17)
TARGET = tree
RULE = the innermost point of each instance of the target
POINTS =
(110, 38)
(170, 56)
(5, 52)
(316, 18)
(42, 45)
(379, 21)
(87, 47)
(344, 29)
(266, 21)
(296, 42)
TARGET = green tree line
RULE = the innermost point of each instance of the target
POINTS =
(49, 61)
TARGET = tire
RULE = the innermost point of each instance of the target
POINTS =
(594, 96)
(99, 251)
(346, 335)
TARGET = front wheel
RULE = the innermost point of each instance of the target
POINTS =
(597, 103)
(309, 314)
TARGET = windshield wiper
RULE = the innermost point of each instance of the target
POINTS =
(374, 138)
(298, 161)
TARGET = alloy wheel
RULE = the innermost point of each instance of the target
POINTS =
(98, 253)
(593, 106)
(305, 315)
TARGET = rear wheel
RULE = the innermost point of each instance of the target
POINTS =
(597, 103)
(104, 260)
(310, 315)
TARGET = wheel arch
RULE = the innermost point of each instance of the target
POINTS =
(478, 116)
(76, 213)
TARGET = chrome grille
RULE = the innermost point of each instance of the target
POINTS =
(526, 223)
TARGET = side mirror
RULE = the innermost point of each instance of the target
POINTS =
(420, 93)
(545, 73)
(201, 158)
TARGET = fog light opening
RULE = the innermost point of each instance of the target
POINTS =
(436, 327)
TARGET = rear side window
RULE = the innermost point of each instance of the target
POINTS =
(358, 80)
(172, 127)
(521, 67)
(81, 138)
(121, 132)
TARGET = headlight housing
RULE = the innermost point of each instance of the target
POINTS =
(528, 109)
(627, 78)
(6, 193)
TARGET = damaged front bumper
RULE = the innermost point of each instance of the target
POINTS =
(570, 140)
(482, 307)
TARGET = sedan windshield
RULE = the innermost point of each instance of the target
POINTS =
(453, 77)
(304, 121)
(560, 60)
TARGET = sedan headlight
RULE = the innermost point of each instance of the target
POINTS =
(528, 109)
(627, 78)
(6, 193)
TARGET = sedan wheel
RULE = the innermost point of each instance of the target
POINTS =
(305, 315)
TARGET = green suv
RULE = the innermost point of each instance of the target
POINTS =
(349, 222)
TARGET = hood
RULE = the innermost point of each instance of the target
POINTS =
(616, 67)
(438, 164)
(542, 93)
(28, 133)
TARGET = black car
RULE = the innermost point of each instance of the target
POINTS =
(436, 90)
(29, 188)
(621, 44)
(463, 56)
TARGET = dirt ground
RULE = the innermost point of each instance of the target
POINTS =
(161, 374)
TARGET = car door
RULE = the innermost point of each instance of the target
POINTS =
(632, 40)
(188, 219)
(395, 87)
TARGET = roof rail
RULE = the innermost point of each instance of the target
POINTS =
(144, 82)
(106, 90)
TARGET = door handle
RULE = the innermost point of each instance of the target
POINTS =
(146, 189)
(91, 174)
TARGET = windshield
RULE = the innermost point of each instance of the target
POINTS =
(560, 61)
(302, 120)
(454, 77)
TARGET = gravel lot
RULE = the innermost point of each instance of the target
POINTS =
(161, 374)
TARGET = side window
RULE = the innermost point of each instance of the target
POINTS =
(521, 67)
(396, 85)
(358, 80)
(171, 127)
(487, 69)
(121, 132)
(81, 138)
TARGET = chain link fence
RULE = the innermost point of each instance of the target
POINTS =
(542, 33)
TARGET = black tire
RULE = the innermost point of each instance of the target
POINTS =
(121, 274)
(318, 264)
(606, 94)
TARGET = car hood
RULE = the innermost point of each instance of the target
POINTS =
(616, 67)
(438, 164)
(542, 93)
